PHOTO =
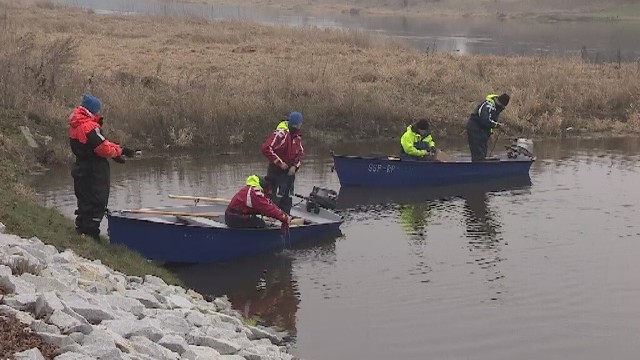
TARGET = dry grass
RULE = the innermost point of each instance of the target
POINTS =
(188, 82)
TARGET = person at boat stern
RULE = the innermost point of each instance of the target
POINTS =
(482, 123)
(91, 172)
(284, 151)
(417, 142)
(253, 200)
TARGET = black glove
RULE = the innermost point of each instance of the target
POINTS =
(128, 152)
(119, 160)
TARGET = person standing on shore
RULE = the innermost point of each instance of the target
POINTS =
(91, 172)
(417, 142)
(284, 151)
(482, 122)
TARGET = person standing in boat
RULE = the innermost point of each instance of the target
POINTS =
(417, 142)
(284, 151)
(482, 122)
(91, 172)
(253, 200)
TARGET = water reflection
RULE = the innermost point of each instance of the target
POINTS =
(359, 197)
(263, 288)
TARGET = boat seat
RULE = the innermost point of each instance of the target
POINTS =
(158, 220)
(200, 221)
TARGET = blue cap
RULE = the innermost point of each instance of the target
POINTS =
(91, 103)
(295, 119)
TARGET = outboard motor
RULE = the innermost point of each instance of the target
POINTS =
(520, 146)
(321, 198)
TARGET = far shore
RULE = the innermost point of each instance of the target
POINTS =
(452, 9)
(190, 83)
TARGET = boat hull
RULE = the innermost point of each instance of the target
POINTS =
(363, 171)
(184, 243)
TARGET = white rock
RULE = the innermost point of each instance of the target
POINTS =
(200, 353)
(178, 289)
(35, 252)
(58, 340)
(176, 301)
(3, 228)
(97, 288)
(223, 346)
(231, 320)
(126, 328)
(77, 337)
(154, 280)
(145, 298)
(47, 303)
(64, 257)
(222, 303)
(261, 333)
(7, 310)
(231, 357)
(41, 326)
(23, 302)
(174, 343)
(31, 354)
(73, 356)
(68, 324)
(147, 347)
(13, 284)
(25, 318)
(5, 270)
(62, 275)
(195, 295)
(119, 302)
(100, 345)
(134, 279)
(94, 314)
(43, 284)
(196, 318)
(172, 322)
(20, 255)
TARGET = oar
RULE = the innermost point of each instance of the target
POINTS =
(171, 213)
(199, 198)
(495, 142)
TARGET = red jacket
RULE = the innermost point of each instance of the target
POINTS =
(251, 200)
(284, 147)
(86, 136)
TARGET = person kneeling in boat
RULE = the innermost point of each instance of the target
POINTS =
(253, 200)
(417, 142)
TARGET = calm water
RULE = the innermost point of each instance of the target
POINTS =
(545, 268)
(602, 40)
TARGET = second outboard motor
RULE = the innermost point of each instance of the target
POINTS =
(320, 198)
(520, 146)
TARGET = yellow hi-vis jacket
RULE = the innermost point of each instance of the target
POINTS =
(411, 139)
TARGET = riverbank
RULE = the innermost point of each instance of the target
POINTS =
(169, 82)
(60, 305)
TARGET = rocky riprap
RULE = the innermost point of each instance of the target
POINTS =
(72, 308)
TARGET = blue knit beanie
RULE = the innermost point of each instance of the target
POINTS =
(295, 119)
(91, 103)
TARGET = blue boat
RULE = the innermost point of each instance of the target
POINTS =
(385, 171)
(198, 234)
(389, 171)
